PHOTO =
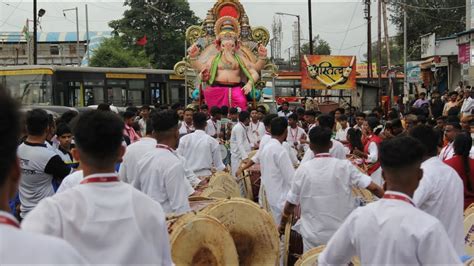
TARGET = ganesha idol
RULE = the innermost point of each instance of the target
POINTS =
(228, 71)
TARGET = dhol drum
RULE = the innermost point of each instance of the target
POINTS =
(253, 182)
(220, 185)
(310, 258)
(293, 240)
(469, 235)
(254, 233)
(362, 196)
(199, 239)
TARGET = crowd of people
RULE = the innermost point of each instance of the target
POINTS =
(96, 187)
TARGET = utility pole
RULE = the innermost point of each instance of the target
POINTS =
(379, 46)
(369, 41)
(77, 31)
(35, 32)
(405, 69)
(310, 19)
(387, 44)
(87, 34)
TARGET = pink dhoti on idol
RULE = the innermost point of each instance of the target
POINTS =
(221, 95)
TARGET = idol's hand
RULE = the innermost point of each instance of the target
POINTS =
(262, 51)
(193, 51)
(247, 88)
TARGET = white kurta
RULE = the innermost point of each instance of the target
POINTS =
(20, 247)
(133, 154)
(255, 132)
(265, 139)
(441, 194)
(239, 146)
(373, 157)
(185, 129)
(277, 174)
(323, 188)
(201, 152)
(294, 136)
(341, 134)
(447, 152)
(337, 151)
(161, 175)
(390, 232)
(71, 181)
(108, 223)
(213, 128)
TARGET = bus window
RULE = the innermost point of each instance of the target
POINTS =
(31, 89)
(94, 92)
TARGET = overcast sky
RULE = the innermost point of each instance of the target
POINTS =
(331, 18)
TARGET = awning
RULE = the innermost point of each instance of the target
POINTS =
(428, 63)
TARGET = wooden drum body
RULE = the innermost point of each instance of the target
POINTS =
(221, 185)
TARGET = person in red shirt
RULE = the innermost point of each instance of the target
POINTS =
(464, 165)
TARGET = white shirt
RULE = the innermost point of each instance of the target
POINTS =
(134, 152)
(341, 134)
(447, 152)
(323, 187)
(108, 223)
(142, 124)
(201, 152)
(71, 181)
(255, 132)
(295, 135)
(441, 194)
(337, 151)
(390, 232)
(277, 174)
(161, 175)
(291, 152)
(265, 139)
(185, 129)
(213, 129)
(239, 142)
(467, 106)
(283, 114)
(27, 248)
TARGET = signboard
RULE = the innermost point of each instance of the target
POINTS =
(22, 72)
(323, 72)
(363, 67)
(124, 76)
(428, 45)
(464, 53)
(414, 72)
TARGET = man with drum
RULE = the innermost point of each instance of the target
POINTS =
(161, 173)
(392, 231)
(200, 150)
(213, 128)
(240, 142)
(323, 189)
(103, 217)
(256, 129)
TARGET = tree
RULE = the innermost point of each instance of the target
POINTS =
(445, 18)
(396, 53)
(320, 46)
(164, 22)
(112, 53)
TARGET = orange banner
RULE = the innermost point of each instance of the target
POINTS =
(323, 72)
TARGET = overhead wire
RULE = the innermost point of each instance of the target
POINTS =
(348, 27)
(11, 14)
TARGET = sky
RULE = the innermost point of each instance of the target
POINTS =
(341, 23)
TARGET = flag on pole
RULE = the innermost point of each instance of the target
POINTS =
(26, 31)
(142, 41)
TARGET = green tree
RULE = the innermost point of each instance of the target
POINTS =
(445, 18)
(320, 46)
(112, 53)
(164, 22)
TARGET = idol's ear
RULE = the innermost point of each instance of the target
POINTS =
(237, 45)
(218, 43)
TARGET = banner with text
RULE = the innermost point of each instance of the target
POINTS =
(323, 72)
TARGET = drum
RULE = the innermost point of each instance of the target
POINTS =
(221, 185)
(254, 233)
(362, 195)
(469, 210)
(199, 239)
(310, 258)
(253, 182)
(469, 235)
(224, 153)
(293, 240)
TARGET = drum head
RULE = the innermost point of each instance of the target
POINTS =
(469, 235)
(221, 185)
(201, 240)
(254, 232)
(223, 151)
(469, 210)
(310, 258)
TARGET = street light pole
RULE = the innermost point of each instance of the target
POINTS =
(310, 19)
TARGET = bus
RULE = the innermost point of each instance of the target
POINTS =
(85, 86)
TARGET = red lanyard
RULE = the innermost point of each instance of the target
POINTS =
(322, 155)
(8, 221)
(188, 128)
(294, 136)
(251, 127)
(215, 125)
(100, 179)
(398, 197)
(245, 130)
(166, 147)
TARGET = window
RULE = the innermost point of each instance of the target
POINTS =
(72, 49)
(54, 50)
